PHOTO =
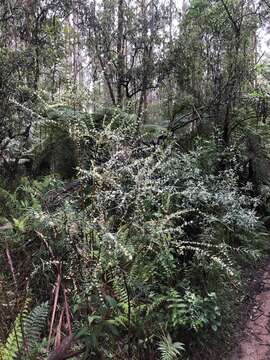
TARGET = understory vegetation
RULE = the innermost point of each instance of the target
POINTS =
(134, 191)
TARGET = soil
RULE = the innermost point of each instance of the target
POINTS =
(254, 340)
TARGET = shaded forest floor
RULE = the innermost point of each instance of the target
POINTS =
(252, 340)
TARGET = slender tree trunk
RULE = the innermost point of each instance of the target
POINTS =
(146, 55)
(120, 55)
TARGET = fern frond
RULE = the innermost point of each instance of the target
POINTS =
(120, 291)
(34, 324)
(14, 342)
(25, 333)
(170, 350)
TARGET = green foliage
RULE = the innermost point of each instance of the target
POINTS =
(194, 311)
(128, 226)
(170, 350)
(143, 228)
(33, 326)
(24, 339)
(13, 345)
(5, 203)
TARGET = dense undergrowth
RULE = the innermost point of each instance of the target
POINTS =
(134, 175)
(139, 257)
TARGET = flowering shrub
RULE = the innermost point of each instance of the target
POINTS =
(132, 240)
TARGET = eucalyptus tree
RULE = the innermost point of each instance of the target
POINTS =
(127, 44)
(217, 62)
(30, 47)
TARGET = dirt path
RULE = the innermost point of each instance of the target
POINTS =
(255, 342)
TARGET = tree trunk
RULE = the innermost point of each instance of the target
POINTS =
(120, 55)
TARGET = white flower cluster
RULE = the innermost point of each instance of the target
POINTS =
(115, 247)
